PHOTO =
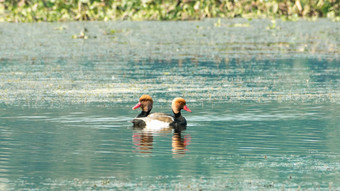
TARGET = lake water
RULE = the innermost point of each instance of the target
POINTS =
(265, 106)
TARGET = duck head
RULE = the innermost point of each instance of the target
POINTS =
(145, 103)
(178, 104)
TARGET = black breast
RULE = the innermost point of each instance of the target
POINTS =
(179, 121)
(138, 123)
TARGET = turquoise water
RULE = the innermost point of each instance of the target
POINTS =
(238, 146)
(265, 106)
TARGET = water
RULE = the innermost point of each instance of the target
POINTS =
(265, 112)
(240, 146)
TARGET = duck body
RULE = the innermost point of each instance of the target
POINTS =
(162, 120)
(154, 121)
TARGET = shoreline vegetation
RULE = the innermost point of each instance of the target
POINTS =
(137, 10)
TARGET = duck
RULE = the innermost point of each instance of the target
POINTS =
(163, 120)
(145, 103)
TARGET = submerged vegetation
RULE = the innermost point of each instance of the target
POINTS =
(75, 10)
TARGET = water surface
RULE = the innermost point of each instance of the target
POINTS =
(240, 146)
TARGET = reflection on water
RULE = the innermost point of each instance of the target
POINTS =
(180, 143)
(144, 140)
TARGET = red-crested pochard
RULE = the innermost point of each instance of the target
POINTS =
(145, 103)
(161, 120)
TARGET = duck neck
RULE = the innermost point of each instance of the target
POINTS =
(178, 114)
(144, 114)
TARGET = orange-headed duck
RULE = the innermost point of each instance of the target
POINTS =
(145, 103)
(162, 120)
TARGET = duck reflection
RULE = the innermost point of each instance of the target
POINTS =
(179, 143)
(143, 139)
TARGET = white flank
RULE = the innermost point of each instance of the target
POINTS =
(156, 125)
(152, 123)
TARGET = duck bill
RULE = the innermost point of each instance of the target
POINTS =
(186, 108)
(137, 106)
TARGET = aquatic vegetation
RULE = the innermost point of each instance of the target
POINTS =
(82, 34)
(80, 10)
